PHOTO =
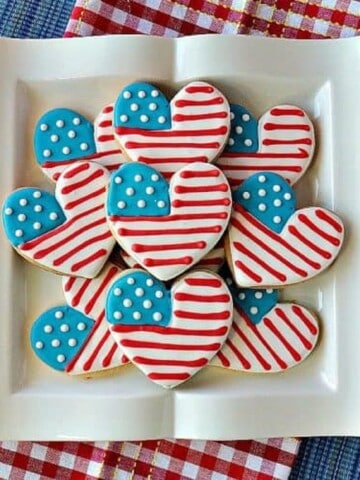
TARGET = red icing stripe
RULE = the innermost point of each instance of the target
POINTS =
(81, 200)
(77, 266)
(201, 116)
(200, 362)
(138, 247)
(270, 325)
(77, 170)
(171, 231)
(169, 346)
(171, 133)
(286, 126)
(74, 186)
(287, 111)
(188, 297)
(204, 282)
(203, 174)
(168, 331)
(333, 240)
(162, 262)
(60, 260)
(265, 365)
(199, 89)
(295, 232)
(330, 220)
(202, 316)
(244, 362)
(109, 276)
(169, 376)
(241, 266)
(221, 187)
(199, 103)
(200, 203)
(134, 145)
(307, 321)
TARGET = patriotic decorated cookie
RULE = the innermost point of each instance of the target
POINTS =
(63, 136)
(193, 127)
(272, 244)
(282, 141)
(266, 336)
(169, 334)
(168, 228)
(66, 233)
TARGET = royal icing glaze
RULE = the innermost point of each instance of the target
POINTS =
(266, 336)
(193, 127)
(271, 246)
(169, 335)
(181, 222)
(67, 233)
(282, 141)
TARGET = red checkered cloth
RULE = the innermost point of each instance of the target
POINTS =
(150, 460)
(279, 18)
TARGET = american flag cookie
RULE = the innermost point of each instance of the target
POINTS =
(63, 136)
(168, 228)
(66, 233)
(270, 243)
(281, 141)
(169, 334)
(266, 335)
(192, 127)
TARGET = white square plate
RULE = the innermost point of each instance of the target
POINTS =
(319, 397)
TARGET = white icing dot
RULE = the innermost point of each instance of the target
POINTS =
(59, 314)
(84, 146)
(117, 291)
(123, 118)
(55, 343)
(127, 94)
(141, 203)
(276, 188)
(246, 195)
(53, 216)
(118, 180)
(130, 191)
(130, 281)
(147, 304)
(254, 310)
(37, 225)
(258, 295)
(262, 178)
(8, 211)
(138, 178)
(136, 315)
(37, 194)
(134, 107)
(144, 118)
(149, 190)
(61, 358)
(54, 138)
(117, 315)
(152, 106)
(262, 207)
(232, 115)
(66, 150)
(242, 296)
(159, 294)
(47, 153)
(277, 219)
(48, 329)
(248, 142)
(60, 123)
(81, 326)
(23, 202)
(72, 342)
(239, 130)
(139, 292)
(64, 328)
(127, 302)
(161, 119)
(149, 282)
(21, 217)
(231, 141)
(71, 134)
(19, 233)
(161, 204)
(39, 345)
(38, 208)
(245, 117)
(43, 127)
(121, 204)
(155, 93)
(154, 177)
(157, 316)
(277, 202)
(262, 192)
(269, 290)
(287, 196)
(141, 94)
(76, 121)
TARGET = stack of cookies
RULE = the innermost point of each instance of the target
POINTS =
(173, 226)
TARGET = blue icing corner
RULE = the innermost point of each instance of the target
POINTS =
(62, 135)
(244, 137)
(269, 198)
(139, 299)
(28, 213)
(138, 190)
(58, 335)
(141, 105)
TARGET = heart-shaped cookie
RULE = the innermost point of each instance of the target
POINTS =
(66, 233)
(267, 336)
(169, 334)
(282, 141)
(271, 244)
(168, 228)
(63, 136)
(193, 127)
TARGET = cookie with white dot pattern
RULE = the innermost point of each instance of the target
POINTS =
(169, 334)
(270, 243)
(282, 141)
(67, 232)
(194, 126)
